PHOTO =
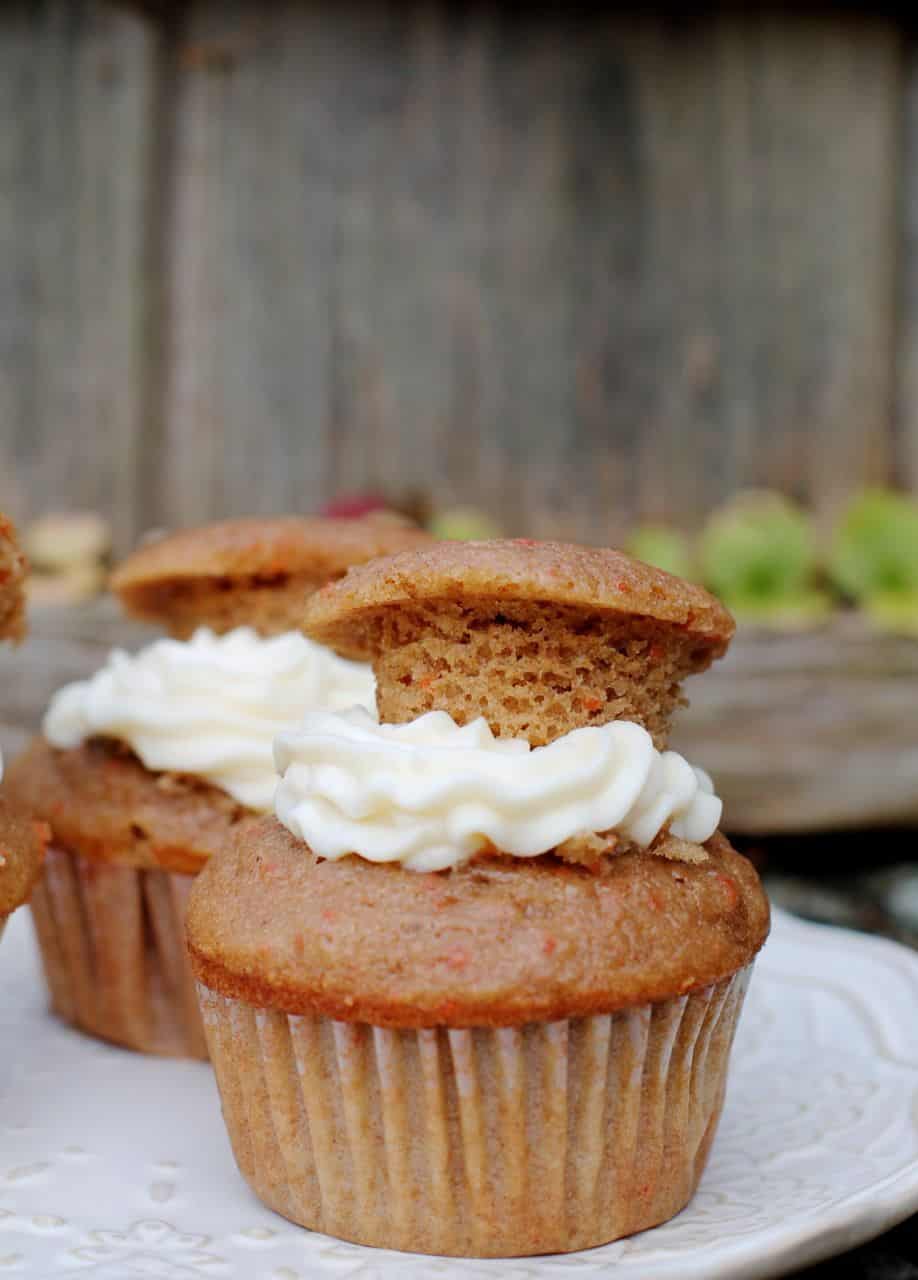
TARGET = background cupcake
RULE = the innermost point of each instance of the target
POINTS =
(21, 840)
(144, 770)
(13, 572)
(504, 1027)
(22, 846)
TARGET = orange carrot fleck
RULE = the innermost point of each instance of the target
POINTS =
(730, 890)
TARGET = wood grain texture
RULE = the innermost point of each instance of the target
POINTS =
(76, 86)
(801, 733)
(771, 202)
(906, 421)
(573, 267)
(809, 732)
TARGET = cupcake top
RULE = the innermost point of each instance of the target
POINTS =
(255, 571)
(538, 637)
(496, 943)
(13, 571)
(22, 846)
(596, 580)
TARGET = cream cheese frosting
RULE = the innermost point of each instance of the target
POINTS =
(430, 794)
(210, 706)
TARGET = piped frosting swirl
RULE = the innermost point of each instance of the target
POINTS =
(431, 794)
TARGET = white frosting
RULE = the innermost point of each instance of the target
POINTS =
(210, 706)
(429, 794)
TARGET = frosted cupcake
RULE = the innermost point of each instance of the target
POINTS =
(21, 840)
(146, 769)
(474, 992)
(13, 573)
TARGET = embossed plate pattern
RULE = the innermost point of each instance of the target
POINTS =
(116, 1166)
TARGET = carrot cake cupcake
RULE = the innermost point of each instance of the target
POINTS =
(21, 840)
(145, 769)
(13, 573)
(473, 990)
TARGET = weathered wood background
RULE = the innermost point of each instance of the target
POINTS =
(572, 267)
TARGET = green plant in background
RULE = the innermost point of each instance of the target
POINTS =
(463, 524)
(874, 558)
(663, 547)
(758, 554)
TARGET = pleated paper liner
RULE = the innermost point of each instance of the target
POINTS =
(540, 1139)
(112, 941)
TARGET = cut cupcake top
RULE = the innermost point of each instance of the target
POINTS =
(13, 572)
(22, 847)
(538, 637)
(255, 571)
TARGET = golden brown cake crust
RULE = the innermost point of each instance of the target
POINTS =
(596, 579)
(219, 574)
(500, 942)
(22, 847)
(13, 571)
(100, 801)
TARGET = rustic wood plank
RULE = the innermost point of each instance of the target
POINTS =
(906, 422)
(372, 93)
(770, 191)
(809, 732)
(253, 249)
(77, 81)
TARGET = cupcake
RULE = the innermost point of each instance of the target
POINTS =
(473, 990)
(22, 847)
(21, 840)
(13, 573)
(146, 769)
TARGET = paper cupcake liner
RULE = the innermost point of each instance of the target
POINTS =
(477, 1143)
(112, 941)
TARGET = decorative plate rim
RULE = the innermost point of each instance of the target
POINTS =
(884, 1061)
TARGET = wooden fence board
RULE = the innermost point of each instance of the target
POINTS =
(76, 125)
(770, 145)
(906, 352)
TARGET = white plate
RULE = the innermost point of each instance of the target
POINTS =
(114, 1165)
